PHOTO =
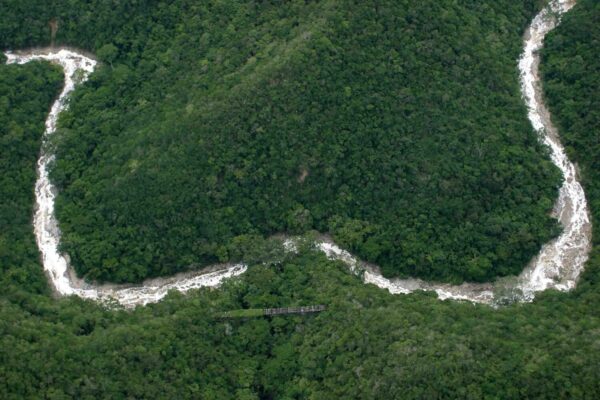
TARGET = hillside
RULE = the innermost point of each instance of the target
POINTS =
(571, 72)
(368, 344)
(25, 97)
(396, 127)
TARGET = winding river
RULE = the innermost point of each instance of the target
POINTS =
(557, 266)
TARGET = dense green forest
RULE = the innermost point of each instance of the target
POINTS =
(395, 126)
(367, 345)
(571, 72)
(25, 96)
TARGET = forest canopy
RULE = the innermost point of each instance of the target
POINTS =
(369, 344)
(25, 96)
(396, 127)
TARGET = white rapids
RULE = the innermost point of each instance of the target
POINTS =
(557, 266)
(77, 68)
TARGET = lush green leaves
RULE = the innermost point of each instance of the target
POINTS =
(367, 345)
(25, 96)
(396, 126)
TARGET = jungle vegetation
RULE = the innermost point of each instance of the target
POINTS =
(368, 344)
(25, 96)
(395, 126)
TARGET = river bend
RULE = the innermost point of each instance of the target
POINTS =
(557, 266)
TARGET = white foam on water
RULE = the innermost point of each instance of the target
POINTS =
(77, 69)
(560, 262)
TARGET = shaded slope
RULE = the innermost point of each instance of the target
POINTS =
(408, 128)
(360, 348)
(25, 97)
(558, 265)
(571, 73)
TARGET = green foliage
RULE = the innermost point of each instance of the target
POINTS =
(243, 313)
(252, 249)
(571, 71)
(367, 345)
(108, 53)
(234, 118)
(25, 97)
(211, 120)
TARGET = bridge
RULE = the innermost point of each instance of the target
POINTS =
(261, 312)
